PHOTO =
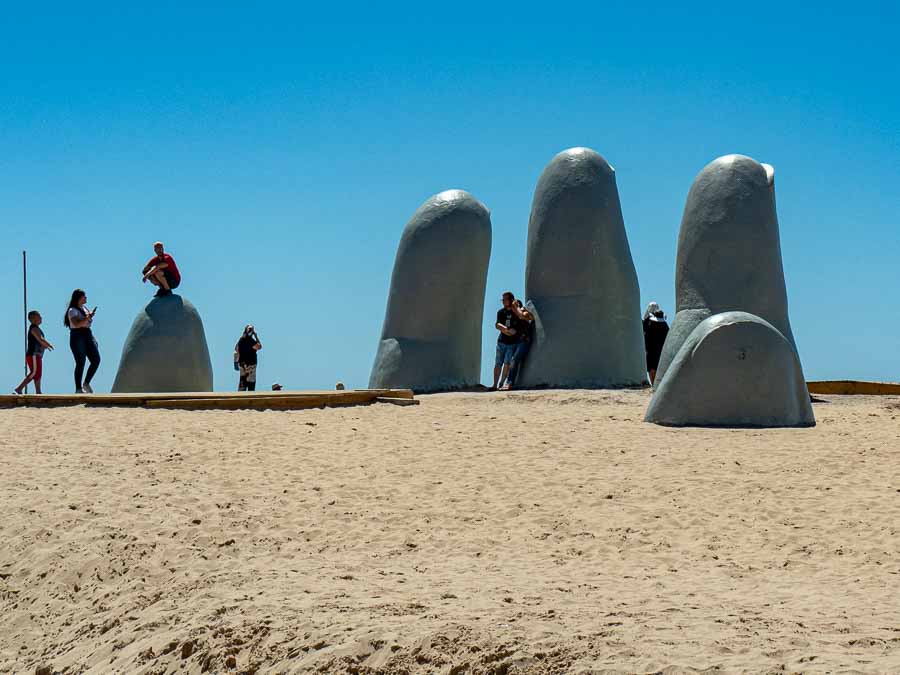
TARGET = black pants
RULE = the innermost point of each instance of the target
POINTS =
(84, 348)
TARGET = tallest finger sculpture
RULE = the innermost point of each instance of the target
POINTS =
(580, 280)
(431, 339)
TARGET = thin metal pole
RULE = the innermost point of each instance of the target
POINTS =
(25, 304)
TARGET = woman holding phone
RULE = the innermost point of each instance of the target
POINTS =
(81, 340)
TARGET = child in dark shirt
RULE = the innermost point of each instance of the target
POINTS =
(34, 353)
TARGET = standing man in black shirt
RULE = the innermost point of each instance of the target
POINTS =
(246, 359)
(507, 322)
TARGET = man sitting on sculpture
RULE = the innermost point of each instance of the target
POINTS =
(162, 271)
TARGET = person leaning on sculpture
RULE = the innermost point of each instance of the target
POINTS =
(525, 332)
(655, 331)
(512, 322)
(246, 359)
(162, 271)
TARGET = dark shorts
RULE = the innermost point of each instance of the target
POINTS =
(653, 361)
(171, 279)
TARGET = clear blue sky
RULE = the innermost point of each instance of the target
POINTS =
(279, 150)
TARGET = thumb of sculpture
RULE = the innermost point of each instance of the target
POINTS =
(730, 357)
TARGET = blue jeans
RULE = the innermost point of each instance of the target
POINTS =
(519, 355)
(505, 354)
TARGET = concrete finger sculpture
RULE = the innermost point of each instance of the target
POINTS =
(431, 338)
(730, 357)
(729, 251)
(734, 370)
(580, 280)
(165, 350)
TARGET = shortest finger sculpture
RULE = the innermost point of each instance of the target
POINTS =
(165, 350)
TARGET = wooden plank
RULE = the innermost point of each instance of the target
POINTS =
(261, 403)
(213, 400)
(393, 393)
(397, 401)
(854, 388)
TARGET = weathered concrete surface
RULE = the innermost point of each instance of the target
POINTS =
(733, 370)
(431, 339)
(165, 350)
(580, 280)
(729, 251)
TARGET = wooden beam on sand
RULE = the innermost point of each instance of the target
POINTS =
(282, 400)
(394, 400)
(854, 388)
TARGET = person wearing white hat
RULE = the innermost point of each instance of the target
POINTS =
(655, 331)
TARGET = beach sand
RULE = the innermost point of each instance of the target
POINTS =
(528, 532)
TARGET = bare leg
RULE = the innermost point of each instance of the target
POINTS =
(28, 378)
(159, 279)
(652, 375)
(505, 373)
(37, 386)
(496, 376)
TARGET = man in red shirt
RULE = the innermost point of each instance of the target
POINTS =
(162, 271)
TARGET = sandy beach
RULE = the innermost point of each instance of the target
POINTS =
(529, 532)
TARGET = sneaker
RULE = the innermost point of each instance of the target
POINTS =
(79, 391)
(86, 389)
